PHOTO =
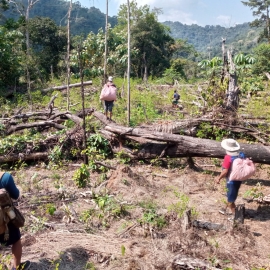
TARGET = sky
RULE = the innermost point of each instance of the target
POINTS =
(226, 13)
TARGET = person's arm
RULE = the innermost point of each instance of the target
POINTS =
(9, 185)
(225, 168)
(222, 175)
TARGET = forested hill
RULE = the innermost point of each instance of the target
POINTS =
(83, 19)
(208, 39)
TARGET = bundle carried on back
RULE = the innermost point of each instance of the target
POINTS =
(242, 168)
(108, 92)
(8, 212)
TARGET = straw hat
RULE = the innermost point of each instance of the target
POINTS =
(231, 146)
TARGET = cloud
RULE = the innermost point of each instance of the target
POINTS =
(173, 10)
(168, 4)
(225, 20)
(177, 16)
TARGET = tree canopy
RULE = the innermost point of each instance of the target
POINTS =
(261, 11)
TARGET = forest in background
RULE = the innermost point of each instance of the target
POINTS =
(205, 40)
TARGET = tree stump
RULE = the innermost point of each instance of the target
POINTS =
(239, 214)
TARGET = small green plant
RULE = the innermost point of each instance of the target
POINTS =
(55, 155)
(81, 176)
(255, 192)
(37, 225)
(214, 261)
(98, 147)
(50, 208)
(5, 261)
(216, 162)
(56, 263)
(123, 250)
(90, 266)
(151, 217)
(123, 157)
(208, 131)
(180, 206)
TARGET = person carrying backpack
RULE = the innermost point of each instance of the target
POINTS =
(14, 238)
(232, 148)
(176, 98)
(108, 94)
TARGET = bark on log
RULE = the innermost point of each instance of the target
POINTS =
(35, 124)
(32, 156)
(208, 225)
(183, 262)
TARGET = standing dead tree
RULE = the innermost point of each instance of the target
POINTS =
(229, 73)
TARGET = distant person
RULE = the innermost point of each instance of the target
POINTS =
(175, 100)
(14, 239)
(108, 94)
(232, 148)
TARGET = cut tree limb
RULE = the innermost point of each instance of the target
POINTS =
(63, 87)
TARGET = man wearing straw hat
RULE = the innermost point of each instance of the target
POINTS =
(232, 148)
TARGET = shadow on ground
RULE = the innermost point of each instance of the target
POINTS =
(70, 259)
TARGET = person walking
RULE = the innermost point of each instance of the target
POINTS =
(7, 182)
(175, 100)
(232, 148)
(108, 94)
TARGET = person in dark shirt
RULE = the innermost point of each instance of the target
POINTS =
(176, 98)
(7, 182)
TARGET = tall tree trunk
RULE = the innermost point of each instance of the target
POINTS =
(81, 66)
(68, 55)
(106, 44)
(233, 89)
(268, 24)
(128, 66)
(145, 68)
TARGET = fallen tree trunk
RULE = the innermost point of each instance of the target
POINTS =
(173, 145)
(62, 87)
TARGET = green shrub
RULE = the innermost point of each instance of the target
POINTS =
(81, 176)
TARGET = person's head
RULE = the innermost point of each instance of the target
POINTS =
(175, 91)
(110, 79)
(231, 146)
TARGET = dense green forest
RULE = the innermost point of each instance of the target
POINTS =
(83, 20)
(34, 48)
(206, 40)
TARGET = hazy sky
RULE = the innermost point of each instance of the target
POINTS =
(202, 12)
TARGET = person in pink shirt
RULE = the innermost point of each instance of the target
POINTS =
(232, 148)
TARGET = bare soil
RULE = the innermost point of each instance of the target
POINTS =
(64, 241)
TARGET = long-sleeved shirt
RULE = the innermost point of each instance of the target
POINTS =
(7, 182)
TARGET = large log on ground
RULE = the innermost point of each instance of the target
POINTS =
(173, 145)
(179, 146)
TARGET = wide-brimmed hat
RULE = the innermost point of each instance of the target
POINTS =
(110, 79)
(231, 146)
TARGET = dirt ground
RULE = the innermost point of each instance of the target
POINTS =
(63, 241)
